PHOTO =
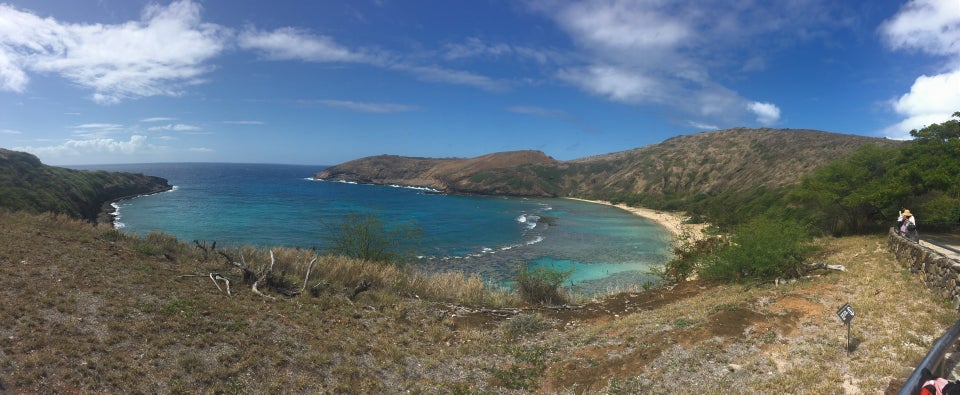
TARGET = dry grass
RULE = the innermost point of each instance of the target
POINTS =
(89, 309)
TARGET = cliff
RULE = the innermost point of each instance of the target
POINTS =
(29, 185)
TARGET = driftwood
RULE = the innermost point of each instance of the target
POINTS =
(247, 273)
(821, 265)
(215, 277)
(307, 277)
(362, 286)
(262, 277)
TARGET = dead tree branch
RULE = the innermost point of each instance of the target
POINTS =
(262, 277)
(362, 286)
(215, 277)
(307, 277)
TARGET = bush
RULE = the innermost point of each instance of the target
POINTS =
(688, 257)
(368, 237)
(761, 249)
(157, 243)
(541, 285)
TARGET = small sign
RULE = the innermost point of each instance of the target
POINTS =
(846, 313)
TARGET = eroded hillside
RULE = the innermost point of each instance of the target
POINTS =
(704, 163)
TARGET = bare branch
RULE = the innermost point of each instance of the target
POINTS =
(307, 277)
(257, 291)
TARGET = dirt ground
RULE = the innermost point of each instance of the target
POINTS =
(744, 338)
(730, 323)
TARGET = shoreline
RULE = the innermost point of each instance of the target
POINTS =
(109, 212)
(672, 222)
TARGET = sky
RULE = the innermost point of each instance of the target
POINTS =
(324, 82)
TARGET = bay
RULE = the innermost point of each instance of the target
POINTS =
(281, 205)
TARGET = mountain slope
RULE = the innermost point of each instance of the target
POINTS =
(505, 170)
(27, 184)
(710, 163)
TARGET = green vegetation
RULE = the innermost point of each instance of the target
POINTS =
(763, 248)
(863, 193)
(771, 230)
(369, 237)
(28, 185)
(689, 254)
(541, 285)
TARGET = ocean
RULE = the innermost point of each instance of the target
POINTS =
(281, 205)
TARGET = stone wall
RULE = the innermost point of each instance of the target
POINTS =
(941, 274)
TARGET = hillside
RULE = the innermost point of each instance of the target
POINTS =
(726, 161)
(90, 310)
(449, 175)
(27, 184)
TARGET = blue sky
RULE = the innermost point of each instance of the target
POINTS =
(323, 82)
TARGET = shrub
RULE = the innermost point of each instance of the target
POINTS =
(688, 257)
(157, 243)
(368, 237)
(541, 285)
(762, 248)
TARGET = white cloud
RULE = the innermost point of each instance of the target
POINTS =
(157, 119)
(616, 84)
(932, 99)
(369, 107)
(244, 122)
(933, 27)
(179, 127)
(76, 148)
(159, 55)
(200, 149)
(435, 73)
(672, 54)
(767, 113)
(296, 44)
(702, 126)
(475, 48)
(97, 130)
(10, 131)
(624, 25)
(99, 126)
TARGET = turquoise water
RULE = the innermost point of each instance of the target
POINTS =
(279, 205)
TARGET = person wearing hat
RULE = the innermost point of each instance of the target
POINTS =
(908, 225)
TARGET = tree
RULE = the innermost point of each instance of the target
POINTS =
(851, 195)
(930, 168)
(369, 237)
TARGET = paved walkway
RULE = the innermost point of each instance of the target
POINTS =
(947, 244)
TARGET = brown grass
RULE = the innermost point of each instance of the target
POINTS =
(89, 309)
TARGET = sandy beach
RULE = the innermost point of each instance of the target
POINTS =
(673, 222)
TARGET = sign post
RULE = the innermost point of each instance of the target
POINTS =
(846, 315)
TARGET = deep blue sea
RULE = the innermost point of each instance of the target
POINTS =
(280, 205)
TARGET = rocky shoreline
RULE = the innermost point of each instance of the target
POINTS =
(108, 212)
